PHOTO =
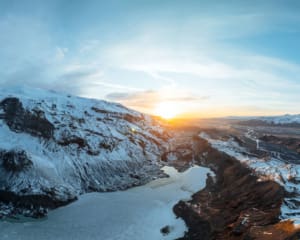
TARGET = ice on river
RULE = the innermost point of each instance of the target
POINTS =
(134, 214)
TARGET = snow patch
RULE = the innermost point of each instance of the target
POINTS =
(96, 145)
(275, 169)
(285, 119)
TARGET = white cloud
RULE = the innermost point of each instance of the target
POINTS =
(175, 55)
(232, 77)
(156, 60)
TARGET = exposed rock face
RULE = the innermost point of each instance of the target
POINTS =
(290, 143)
(15, 160)
(20, 120)
(54, 147)
(34, 205)
(235, 204)
(269, 161)
(283, 121)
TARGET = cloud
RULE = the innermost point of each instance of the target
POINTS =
(145, 100)
(148, 100)
(150, 94)
(233, 77)
(184, 55)
(219, 71)
(208, 64)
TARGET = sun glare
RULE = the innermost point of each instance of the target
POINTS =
(166, 110)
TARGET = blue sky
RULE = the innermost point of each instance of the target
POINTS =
(204, 58)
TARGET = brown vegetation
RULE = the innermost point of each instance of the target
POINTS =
(234, 204)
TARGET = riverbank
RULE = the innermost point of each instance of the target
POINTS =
(235, 204)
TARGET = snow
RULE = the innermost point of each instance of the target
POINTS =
(103, 125)
(284, 119)
(135, 214)
(271, 168)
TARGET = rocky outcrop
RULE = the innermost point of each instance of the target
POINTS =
(288, 142)
(54, 147)
(33, 205)
(235, 204)
(14, 163)
(20, 120)
(15, 160)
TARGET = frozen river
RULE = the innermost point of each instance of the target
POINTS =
(134, 214)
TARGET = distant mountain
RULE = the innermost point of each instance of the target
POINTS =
(284, 120)
(54, 147)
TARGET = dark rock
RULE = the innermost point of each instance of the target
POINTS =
(31, 205)
(283, 142)
(131, 118)
(165, 230)
(199, 228)
(106, 145)
(74, 140)
(234, 205)
(20, 120)
(98, 110)
(134, 176)
(15, 160)
(239, 229)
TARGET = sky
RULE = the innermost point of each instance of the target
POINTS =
(199, 58)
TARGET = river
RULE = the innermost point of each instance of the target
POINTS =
(135, 214)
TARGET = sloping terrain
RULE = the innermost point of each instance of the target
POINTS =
(236, 204)
(266, 164)
(284, 119)
(54, 147)
(287, 142)
(287, 120)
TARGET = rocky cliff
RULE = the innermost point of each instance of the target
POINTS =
(54, 147)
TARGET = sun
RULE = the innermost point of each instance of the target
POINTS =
(166, 110)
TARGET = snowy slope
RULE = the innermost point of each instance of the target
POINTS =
(285, 174)
(284, 119)
(58, 146)
(288, 120)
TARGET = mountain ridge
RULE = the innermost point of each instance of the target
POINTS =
(54, 147)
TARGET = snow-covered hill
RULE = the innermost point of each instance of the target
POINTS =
(54, 147)
(284, 119)
(273, 167)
